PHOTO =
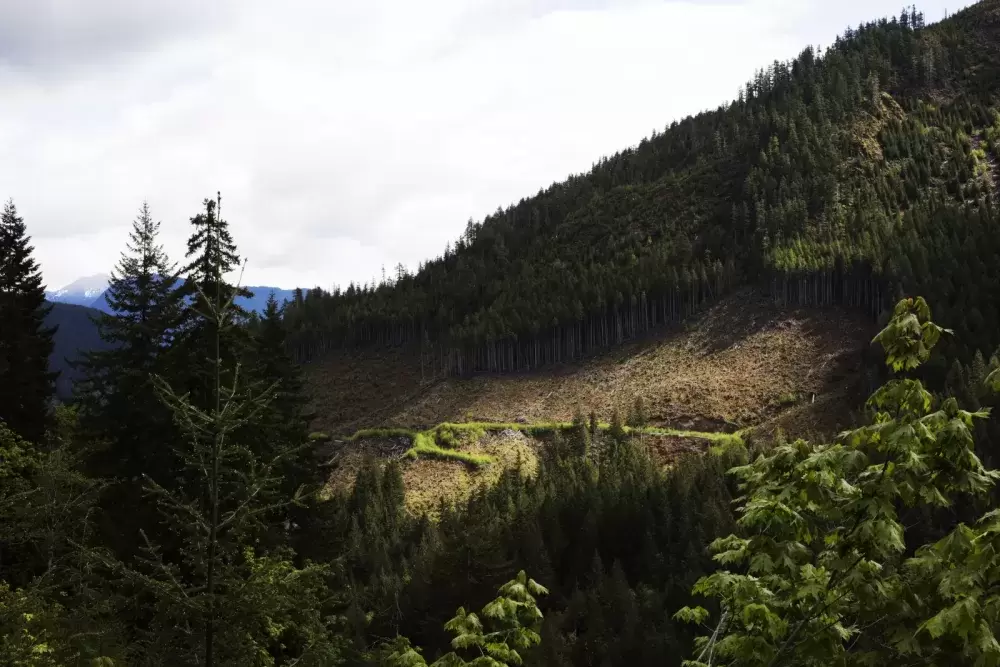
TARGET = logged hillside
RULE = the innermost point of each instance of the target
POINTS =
(848, 176)
(744, 362)
(743, 365)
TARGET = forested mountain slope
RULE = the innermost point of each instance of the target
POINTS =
(844, 176)
(744, 362)
(76, 333)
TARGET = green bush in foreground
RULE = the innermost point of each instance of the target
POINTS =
(819, 573)
(508, 624)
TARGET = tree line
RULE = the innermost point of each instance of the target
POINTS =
(173, 515)
(824, 152)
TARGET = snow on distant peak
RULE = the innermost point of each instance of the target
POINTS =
(82, 290)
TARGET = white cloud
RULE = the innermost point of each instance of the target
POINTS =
(349, 135)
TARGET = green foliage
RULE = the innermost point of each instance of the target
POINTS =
(910, 335)
(26, 384)
(823, 578)
(637, 417)
(29, 630)
(424, 445)
(512, 622)
(230, 598)
(443, 440)
(452, 436)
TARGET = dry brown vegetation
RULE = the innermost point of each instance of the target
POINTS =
(744, 362)
(428, 482)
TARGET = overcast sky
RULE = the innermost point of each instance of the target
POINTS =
(350, 134)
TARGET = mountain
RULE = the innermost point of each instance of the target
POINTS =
(258, 301)
(729, 272)
(76, 333)
(846, 176)
(838, 181)
(91, 291)
(82, 291)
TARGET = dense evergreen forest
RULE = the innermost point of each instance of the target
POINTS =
(850, 175)
(175, 512)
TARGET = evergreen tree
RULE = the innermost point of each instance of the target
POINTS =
(282, 424)
(26, 385)
(637, 415)
(227, 599)
(211, 254)
(579, 436)
(117, 396)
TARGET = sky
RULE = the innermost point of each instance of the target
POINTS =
(350, 135)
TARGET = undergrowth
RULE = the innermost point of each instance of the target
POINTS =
(445, 440)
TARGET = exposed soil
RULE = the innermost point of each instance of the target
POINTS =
(742, 363)
(427, 481)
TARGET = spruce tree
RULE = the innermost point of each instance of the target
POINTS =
(118, 401)
(26, 385)
(223, 598)
(211, 254)
(117, 395)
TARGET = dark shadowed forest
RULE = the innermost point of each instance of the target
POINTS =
(170, 493)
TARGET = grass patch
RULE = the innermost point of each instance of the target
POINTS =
(425, 446)
(440, 442)
(701, 435)
(451, 435)
(446, 440)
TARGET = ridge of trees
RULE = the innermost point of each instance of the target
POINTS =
(810, 182)
(196, 534)
(207, 543)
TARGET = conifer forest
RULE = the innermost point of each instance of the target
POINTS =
(193, 503)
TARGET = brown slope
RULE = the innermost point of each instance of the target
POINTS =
(743, 362)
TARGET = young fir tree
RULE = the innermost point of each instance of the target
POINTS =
(117, 397)
(52, 610)
(222, 600)
(211, 254)
(637, 417)
(26, 385)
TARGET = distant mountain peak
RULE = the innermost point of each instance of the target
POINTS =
(82, 291)
(91, 291)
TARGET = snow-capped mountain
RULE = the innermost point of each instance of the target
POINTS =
(82, 291)
(90, 291)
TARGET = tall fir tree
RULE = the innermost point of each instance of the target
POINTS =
(117, 395)
(211, 254)
(27, 386)
(227, 599)
(118, 401)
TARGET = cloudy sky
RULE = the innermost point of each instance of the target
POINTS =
(348, 135)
